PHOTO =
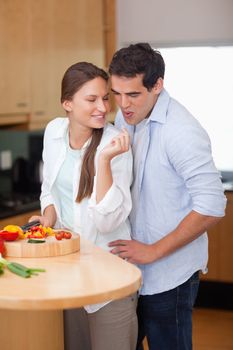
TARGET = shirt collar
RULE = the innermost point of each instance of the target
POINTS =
(63, 127)
(159, 112)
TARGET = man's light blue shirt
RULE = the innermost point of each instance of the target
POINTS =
(174, 173)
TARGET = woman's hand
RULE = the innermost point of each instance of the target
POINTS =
(118, 145)
(48, 219)
(45, 221)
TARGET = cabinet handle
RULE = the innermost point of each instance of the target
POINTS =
(21, 104)
(39, 113)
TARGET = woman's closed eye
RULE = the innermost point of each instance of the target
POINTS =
(94, 99)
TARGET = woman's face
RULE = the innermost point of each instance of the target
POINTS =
(90, 104)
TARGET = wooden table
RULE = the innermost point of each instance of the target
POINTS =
(31, 309)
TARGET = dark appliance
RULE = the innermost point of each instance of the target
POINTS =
(35, 175)
(35, 162)
(17, 203)
(21, 176)
(27, 173)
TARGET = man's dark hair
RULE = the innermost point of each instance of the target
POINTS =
(138, 59)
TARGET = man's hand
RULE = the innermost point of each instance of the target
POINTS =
(190, 228)
(133, 251)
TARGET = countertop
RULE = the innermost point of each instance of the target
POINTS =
(228, 186)
(86, 277)
(31, 314)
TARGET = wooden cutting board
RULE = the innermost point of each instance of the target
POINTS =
(52, 247)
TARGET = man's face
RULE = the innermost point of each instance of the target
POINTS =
(134, 100)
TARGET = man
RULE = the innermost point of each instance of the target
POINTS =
(177, 196)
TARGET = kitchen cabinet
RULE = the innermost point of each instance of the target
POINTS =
(221, 247)
(57, 42)
(109, 20)
(73, 38)
(39, 55)
(38, 42)
(14, 61)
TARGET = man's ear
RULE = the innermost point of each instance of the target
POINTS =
(158, 87)
(67, 105)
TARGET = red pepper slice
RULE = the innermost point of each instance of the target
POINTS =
(34, 235)
(36, 232)
(2, 248)
(36, 228)
(8, 236)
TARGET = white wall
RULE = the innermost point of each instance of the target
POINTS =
(172, 22)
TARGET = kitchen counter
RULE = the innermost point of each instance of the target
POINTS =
(22, 209)
(12, 204)
(228, 186)
(89, 276)
(86, 277)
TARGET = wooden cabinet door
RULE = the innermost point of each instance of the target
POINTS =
(76, 31)
(14, 57)
(226, 243)
(61, 35)
(220, 265)
(39, 40)
(39, 51)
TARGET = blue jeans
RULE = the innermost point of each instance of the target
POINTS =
(166, 318)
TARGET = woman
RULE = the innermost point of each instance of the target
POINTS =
(86, 188)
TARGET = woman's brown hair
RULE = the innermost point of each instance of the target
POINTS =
(74, 78)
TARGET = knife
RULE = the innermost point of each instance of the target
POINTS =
(30, 224)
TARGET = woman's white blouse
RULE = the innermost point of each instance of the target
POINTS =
(99, 223)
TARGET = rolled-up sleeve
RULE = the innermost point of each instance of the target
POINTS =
(46, 198)
(116, 205)
(190, 154)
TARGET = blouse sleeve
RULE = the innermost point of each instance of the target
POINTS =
(116, 205)
(45, 197)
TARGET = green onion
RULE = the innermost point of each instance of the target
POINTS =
(19, 269)
(1, 268)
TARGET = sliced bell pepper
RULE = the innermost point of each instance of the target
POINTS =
(35, 235)
(8, 236)
(36, 232)
(14, 228)
(2, 247)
